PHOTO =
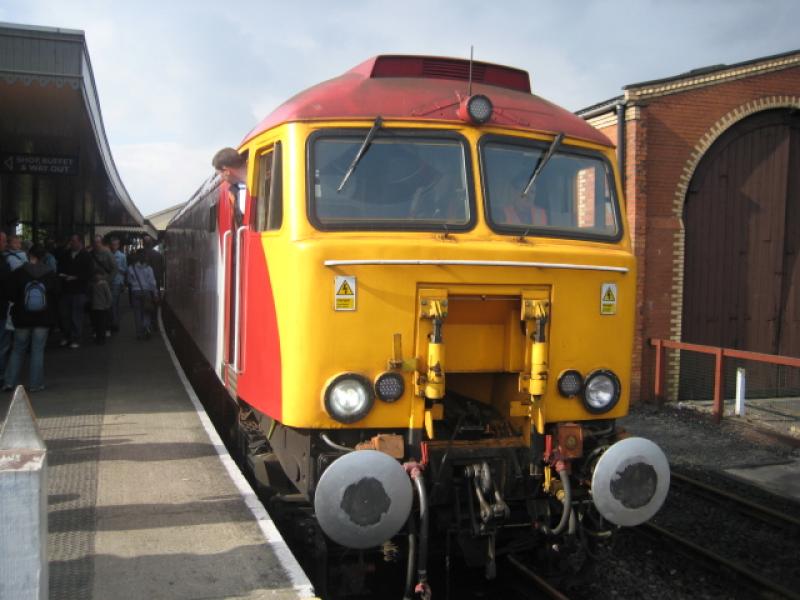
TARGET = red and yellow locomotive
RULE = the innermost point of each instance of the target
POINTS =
(424, 302)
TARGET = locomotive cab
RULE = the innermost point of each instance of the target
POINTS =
(427, 315)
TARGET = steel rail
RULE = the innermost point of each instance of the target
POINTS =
(718, 560)
(763, 513)
(541, 583)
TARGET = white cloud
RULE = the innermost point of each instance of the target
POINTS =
(158, 175)
(178, 80)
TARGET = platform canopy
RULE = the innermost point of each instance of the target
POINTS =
(57, 175)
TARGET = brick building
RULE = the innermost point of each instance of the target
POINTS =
(712, 177)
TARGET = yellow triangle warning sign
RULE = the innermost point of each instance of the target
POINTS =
(344, 289)
(608, 296)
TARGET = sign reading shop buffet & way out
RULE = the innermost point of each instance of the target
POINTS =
(38, 164)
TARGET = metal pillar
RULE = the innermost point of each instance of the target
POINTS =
(23, 504)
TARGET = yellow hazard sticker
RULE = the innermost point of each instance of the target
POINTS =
(608, 299)
(344, 293)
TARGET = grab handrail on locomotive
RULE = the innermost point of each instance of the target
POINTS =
(423, 303)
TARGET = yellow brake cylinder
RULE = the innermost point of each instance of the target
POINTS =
(535, 314)
(434, 386)
(431, 382)
(539, 357)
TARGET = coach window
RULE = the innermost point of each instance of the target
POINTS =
(268, 214)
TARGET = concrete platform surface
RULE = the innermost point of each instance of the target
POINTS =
(141, 505)
(782, 480)
(780, 416)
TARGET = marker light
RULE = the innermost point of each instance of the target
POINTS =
(389, 386)
(348, 397)
(601, 391)
(477, 109)
(570, 383)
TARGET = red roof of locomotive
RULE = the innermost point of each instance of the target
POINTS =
(421, 87)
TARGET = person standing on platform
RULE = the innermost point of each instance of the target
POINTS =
(6, 334)
(104, 265)
(75, 270)
(154, 259)
(118, 282)
(50, 257)
(103, 262)
(100, 307)
(15, 256)
(144, 294)
(33, 290)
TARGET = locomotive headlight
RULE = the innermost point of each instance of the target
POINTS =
(601, 391)
(389, 386)
(348, 397)
(477, 109)
(570, 383)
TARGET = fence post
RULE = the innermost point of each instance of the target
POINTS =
(659, 382)
(740, 391)
(23, 504)
(719, 385)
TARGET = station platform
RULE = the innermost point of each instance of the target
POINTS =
(144, 501)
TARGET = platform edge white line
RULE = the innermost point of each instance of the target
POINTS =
(299, 580)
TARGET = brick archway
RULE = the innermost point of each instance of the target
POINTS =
(679, 237)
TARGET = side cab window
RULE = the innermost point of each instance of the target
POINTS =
(268, 213)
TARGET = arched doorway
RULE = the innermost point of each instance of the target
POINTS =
(742, 250)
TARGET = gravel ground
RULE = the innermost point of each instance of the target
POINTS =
(690, 439)
(634, 566)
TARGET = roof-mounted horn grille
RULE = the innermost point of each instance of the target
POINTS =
(451, 68)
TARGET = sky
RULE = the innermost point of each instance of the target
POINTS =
(178, 80)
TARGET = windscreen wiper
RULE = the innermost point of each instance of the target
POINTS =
(542, 162)
(361, 151)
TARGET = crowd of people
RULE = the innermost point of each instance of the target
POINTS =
(51, 287)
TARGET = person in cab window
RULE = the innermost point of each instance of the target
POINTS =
(521, 209)
(33, 289)
(232, 169)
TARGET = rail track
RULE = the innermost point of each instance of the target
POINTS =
(730, 534)
(542, 585)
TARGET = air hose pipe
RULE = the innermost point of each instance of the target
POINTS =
(566, 501)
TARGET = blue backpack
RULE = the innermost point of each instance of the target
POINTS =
(35, 296)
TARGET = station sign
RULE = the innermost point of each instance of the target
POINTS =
(38, 164)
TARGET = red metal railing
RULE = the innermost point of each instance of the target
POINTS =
(719, 356)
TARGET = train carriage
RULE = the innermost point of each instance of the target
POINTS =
(423, 303)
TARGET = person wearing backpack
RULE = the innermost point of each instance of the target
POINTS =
(33, 288)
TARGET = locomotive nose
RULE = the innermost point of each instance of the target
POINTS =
(630, 481)
(363, 499)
